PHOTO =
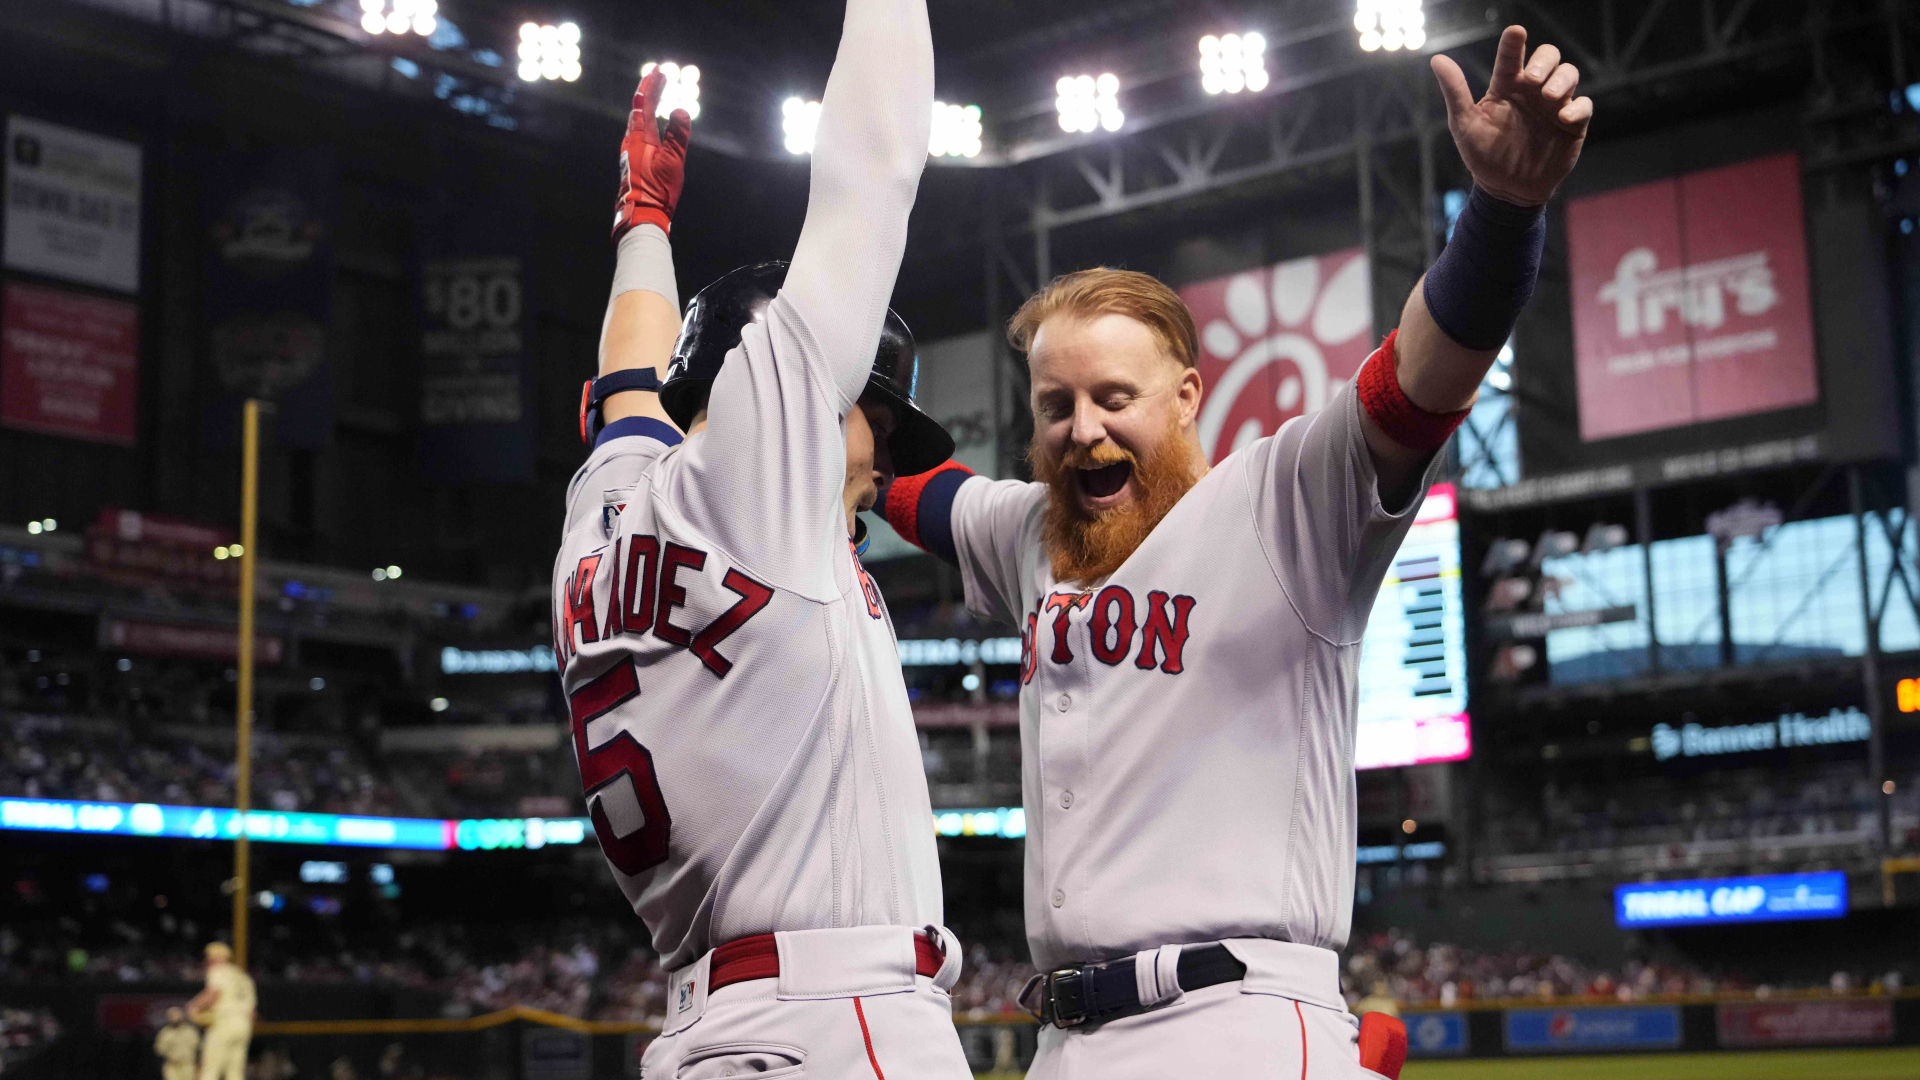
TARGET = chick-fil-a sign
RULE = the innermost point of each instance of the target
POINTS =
(1277, 342)
(1690, 299)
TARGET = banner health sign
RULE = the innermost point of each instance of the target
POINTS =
(1791, 729)
(1766, 898)
(1604, 1028)
(1436, 1034)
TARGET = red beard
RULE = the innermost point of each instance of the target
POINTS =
(1085, 547)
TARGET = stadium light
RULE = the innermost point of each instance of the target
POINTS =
(800, 121)
(399, 16)
(1088, 104)
(548, 52)
(1390, 24)
(956, 131)
(683, 87)
(1233, 63)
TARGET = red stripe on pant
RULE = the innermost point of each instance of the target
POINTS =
(1303, 1039)
(868, 1036)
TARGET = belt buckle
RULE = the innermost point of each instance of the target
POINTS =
(1066, 997)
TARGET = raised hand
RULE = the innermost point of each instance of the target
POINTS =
(1522, 138)
(651, 168)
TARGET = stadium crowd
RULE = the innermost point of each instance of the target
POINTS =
(95, 759)
(1757, 805)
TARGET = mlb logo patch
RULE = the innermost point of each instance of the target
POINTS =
(686, 995)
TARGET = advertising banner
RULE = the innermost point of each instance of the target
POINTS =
(269, 291)
(73, 205)
(69, 364)
(1605, 1028)
(1803, 1023)
(161, 552)
(134, 1014)
(1758, 898)
(476, 402)
(1276, 343)
(1690, 299)
(1436, 1034)
(186, 641)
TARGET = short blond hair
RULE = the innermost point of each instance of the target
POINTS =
(218, 952)
(1105, 291)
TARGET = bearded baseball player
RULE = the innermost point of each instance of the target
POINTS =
(1192, 635)
(738, 708)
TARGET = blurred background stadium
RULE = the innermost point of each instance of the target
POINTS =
(1640, 763)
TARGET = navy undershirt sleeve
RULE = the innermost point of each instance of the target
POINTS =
(645, 426)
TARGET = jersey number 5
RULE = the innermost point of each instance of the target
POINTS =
(623, 796)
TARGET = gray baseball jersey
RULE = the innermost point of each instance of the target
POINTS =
(1187, 725)
(738, 708)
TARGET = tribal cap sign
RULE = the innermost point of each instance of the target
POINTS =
(1690, 299)
(1277, 342)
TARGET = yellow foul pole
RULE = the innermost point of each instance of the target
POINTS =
(243, 698)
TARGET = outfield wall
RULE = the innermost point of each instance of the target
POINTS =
(1747, 1024)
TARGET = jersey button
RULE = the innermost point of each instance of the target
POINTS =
(1065, 702)
(1059, 898)
(1066, 800)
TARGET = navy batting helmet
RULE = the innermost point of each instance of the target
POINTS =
(723, 309)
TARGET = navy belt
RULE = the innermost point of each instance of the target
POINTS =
(1094, 993)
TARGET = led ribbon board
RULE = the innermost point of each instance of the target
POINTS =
(272, 826)
(1707, 901)
(1413, 665)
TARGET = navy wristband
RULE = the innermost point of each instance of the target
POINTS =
(1486, 274)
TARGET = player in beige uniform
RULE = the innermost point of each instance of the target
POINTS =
(1192, 635)
(178, 1046)
(230, 1002)
(739, 711)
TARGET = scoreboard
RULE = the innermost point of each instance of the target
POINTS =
(1413, 685)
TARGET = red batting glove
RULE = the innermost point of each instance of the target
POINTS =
(651, 168)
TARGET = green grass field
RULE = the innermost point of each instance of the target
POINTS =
(1895, 1064)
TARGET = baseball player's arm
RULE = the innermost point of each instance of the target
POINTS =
(875, 120)
(970, 522)
(1519, 141)
(766, 477)
(643, 314)
(920, 508)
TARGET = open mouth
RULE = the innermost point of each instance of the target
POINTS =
(1105, 481)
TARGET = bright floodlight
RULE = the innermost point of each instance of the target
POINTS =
(683, 87)
(1233, 63)
(1390, 24)
(799, 119)
(399, 16)
(956, 131)
(548, 52)
(1088, 104)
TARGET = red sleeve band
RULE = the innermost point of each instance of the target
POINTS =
(902, 508)
(1404, 422)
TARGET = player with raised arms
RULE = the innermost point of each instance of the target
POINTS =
(738, 708)
(1192, 635)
